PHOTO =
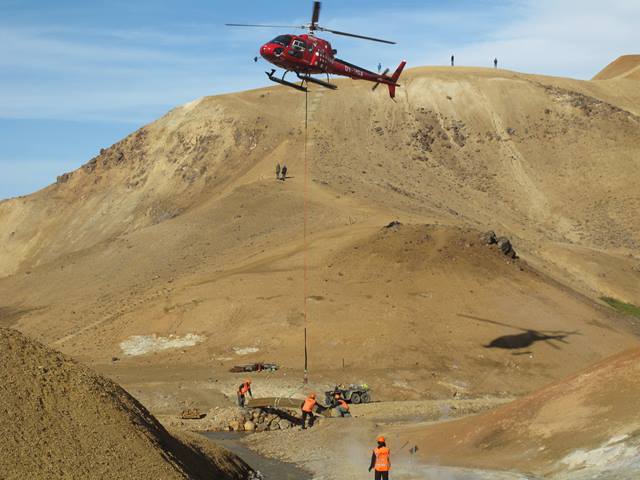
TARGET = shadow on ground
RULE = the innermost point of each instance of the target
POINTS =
(525, 339)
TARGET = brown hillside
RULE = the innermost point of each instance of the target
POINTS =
(421, 293)
(61, 420)
(181, 229)
(588, 422)
(625, 67)
(584, 427)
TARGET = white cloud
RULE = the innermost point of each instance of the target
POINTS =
(555, 37)
(137, 74)
(573, 38)
(65, 73)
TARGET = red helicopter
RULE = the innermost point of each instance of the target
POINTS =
(308, 55)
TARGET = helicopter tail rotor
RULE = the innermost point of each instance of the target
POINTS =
(384, 74)
(394, 79)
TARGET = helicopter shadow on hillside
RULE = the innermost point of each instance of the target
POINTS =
(526, 339)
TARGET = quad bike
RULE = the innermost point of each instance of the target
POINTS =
(350, 393)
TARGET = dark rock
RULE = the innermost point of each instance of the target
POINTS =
(284, 424)
(393, 224)
(64, 178)
(505, 247)
(191, 414)
(489, 237)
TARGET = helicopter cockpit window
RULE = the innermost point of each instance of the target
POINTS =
(299, 45)
(283, 40)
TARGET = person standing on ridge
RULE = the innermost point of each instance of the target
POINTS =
(495, 63)
(379, 67)
(284, 173)
(243, 389)
(278, 171)
(453, 60)
(381, 460)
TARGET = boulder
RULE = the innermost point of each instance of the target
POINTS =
(249, 426)
(191, 414)
(393, 224)
(262, 427)
(489, 237)
(284, 424)
(505, 247)
(270, 418)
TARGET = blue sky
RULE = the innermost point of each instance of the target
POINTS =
(76, 76)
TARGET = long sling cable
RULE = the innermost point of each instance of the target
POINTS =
(305, 248)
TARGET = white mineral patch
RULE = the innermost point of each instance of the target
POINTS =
(598, 457)
(245, 350)
(141, 344)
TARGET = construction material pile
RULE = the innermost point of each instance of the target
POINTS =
(61, 420)
(261, 420)
(233, 419)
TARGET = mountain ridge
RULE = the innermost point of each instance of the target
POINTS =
(182, 229)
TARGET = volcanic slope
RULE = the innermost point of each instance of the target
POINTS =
(625, 67)
(585, 426)
(181, 229)
(61, 420)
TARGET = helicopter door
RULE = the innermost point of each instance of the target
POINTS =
(298, 48)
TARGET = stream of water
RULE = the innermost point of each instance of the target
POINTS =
(271, 469)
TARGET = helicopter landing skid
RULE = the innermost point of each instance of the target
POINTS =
(282, 81)
(322, 83)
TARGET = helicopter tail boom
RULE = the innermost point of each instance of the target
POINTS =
(394, 79)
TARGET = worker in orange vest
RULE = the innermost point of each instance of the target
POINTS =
(341, 406)
(381, 460)
(243, 389)
(307, 410)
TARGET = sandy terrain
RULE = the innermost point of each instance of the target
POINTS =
(625, 67)
(182, 230)
(61, 420)
(176, 254)
(585, 426)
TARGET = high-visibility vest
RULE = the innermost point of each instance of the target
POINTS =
(244, 388)
(343, 404)
(383, 463)
(309, 403)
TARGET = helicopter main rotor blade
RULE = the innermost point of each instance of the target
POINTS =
(263, 26)
(315, 16)
(336, 32)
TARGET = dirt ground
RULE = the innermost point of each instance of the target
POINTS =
(587, 423)
(584, 426)
(175, 254)
(625, 67)
(61, 420)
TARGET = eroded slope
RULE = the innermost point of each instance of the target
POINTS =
(61, 420)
